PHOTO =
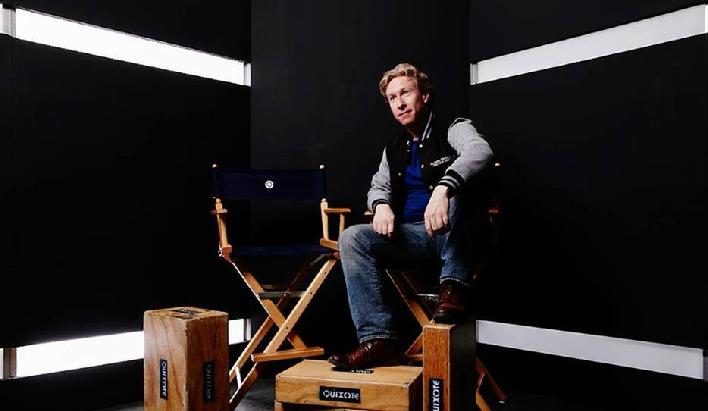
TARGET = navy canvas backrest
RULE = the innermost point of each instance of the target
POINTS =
(243, 184)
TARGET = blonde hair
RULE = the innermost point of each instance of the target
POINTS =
(407, 70)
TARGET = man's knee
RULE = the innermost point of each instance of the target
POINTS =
(355, 234)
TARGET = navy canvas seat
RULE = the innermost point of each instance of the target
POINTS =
(274, 250)
(236, 184)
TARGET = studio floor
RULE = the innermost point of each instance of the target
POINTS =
(261, 396)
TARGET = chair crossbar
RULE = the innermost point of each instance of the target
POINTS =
(273, 295)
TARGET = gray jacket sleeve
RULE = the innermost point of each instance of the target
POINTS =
(474, 153)
(380, 191)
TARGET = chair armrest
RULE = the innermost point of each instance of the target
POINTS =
(336, 210)
(331, 244)
(325, 211)
(225, 248)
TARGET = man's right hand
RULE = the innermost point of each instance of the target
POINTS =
(383, 220)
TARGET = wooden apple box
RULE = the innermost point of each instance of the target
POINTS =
(449, 366)
(315, 383)
(186, 359)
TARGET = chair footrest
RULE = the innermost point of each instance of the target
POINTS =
(274, 295)
(414, 357)
(288, 354)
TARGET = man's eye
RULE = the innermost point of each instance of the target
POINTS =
(405, 92)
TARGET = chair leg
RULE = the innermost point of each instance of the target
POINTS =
(243, 388)
(481, 403)
(407, 289)
(299, 308)
(415, 347)
(269, 306)
(484, 373)
(268, 323)
(276, 317)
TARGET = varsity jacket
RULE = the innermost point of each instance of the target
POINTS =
(452, 153)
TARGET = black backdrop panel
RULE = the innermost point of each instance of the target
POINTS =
(7, 198)
(604, 194)
(222, 26)
(112, 163)
(316, 67)
(501, 27)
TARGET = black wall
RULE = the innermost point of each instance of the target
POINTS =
(501, 27)
(220, 26)
(604, 194)
(7, 198)
(603, 200)
(315, 100)
(604, 182)
(111, 186)
(316, 66)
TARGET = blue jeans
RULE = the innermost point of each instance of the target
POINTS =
(365, 254)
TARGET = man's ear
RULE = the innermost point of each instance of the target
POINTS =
(426, 98)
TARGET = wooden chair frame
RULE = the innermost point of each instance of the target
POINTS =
(275, 310)
(414, 296)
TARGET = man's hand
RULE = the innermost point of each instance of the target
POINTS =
(383, 220)
(436, 218)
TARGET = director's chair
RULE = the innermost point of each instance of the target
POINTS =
(419, 303)
(277, 185)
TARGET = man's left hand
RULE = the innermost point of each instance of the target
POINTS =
(436, 218)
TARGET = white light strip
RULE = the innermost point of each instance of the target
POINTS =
(58, 32)
(656, 30)
(7, 21)
(94, 351)
(668, 359)
(248, 75)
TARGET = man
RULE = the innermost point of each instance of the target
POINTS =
(417, 199)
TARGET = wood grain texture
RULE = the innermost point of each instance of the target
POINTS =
(387, 388)
(189, 339)
(449, 356)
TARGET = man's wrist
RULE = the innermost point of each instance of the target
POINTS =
(444, 189)
(378, 203)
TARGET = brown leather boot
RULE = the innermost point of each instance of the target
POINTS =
(372, 353)
(451, 307)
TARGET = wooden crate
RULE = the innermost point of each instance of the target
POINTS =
(449, 366)
(315, 383)
(186, 359)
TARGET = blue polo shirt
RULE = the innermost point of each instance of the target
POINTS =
(417, 194)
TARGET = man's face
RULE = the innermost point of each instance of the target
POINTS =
(406, 102)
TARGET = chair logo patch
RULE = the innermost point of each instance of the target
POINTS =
(209, 381)
(340, 394)
(269, 184)
(435, 396)
(163, 379)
